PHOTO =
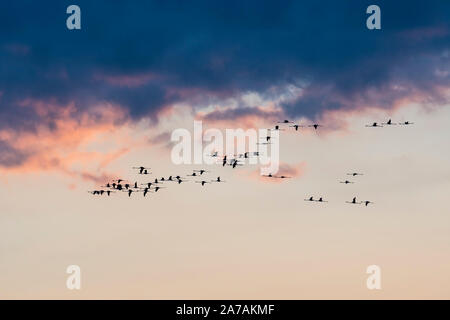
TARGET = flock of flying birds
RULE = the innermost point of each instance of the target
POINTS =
(156, 184)
(121, 185)
(354, 201)
(389, 123)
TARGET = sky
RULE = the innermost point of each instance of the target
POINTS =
(81, 107)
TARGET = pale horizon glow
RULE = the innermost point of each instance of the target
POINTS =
(245, 239)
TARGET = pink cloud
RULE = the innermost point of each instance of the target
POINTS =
(62, 147)
(288, 170)
(245, 118)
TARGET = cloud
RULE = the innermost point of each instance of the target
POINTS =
(289, 170)
(131, 81)
(65, 143)
(160, 138)
(220, 49)
(243, 117)
(11, 157)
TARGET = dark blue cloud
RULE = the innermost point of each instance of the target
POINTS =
(10, 157)
(219, 47)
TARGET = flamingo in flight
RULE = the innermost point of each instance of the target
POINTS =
(235, 163)
(354, 174)
(390, 123)
(285, 121)
(142, 170)
(276, 128)
(244, 155)
(296, 126)
(148, 184)
(201, 171)
(353, 201)
(374, 125)
(315, 126)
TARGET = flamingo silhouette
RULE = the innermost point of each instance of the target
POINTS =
(354, 174)
(390, 123)
(284, 121)
(142, 170)
(353, 201)
(374, 125)
(315, 126)
(296, 126)
(148, 184)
